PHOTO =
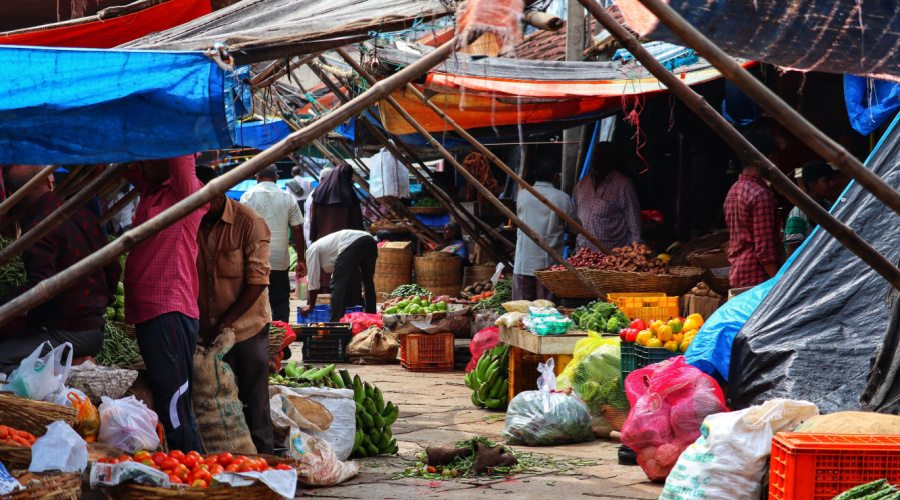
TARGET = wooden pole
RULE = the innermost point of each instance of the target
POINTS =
(119, 205)
(491, 156)
(831, 151)
(50, 287)
(277, 69)
(446, 199)
(27, 188)
(770, 172)
(60, 214)
(571, 137)
(525, 228)
(544, 21)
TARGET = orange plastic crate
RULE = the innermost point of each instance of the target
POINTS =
(523, 369)
(427, 352)
(820, 466)
(646, 306)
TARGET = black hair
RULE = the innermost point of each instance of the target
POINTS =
(205, 173)
(545, 169)
(383, 235)
(455, 227)
(763, 142)
(813, 171)
(296, 171)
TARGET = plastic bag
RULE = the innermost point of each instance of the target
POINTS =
(548, 325)
(595, 374)
(60, 449)
(42, 378)
(361, 321)
(483, 340)
(669, 401)
(546, 417)
(128, 424)
(322, 466)
(341, 435)
(730, 458)
(87, 421)
(510, 319)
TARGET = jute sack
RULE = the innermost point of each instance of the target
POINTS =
(219, 412)
(372, 347)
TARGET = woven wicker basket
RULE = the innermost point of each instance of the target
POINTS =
(478, 274)
(387, 283)
(564, 285)
(54, 486)
(429, 210)
(677, 282)
(275, 341)
(448, 290)
(15, 457)
(32, 416)
(395, 257)
(718, 284)
(437, 270)
(131, 491)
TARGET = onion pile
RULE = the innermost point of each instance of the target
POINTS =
(585, 257)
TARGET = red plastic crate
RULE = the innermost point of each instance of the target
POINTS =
(820, 466)
(427, 352)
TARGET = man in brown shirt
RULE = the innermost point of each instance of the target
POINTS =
(233, 266)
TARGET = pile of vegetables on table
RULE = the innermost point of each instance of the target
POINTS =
(634, 258)
(193, 469)
(476, 290)
(408, 290)
(599, 316)
(584, 257)
(12, 274)
(417, 306)
(118, 349)
(489, 380)
(502, 293)
(879, 489)
(15, 437)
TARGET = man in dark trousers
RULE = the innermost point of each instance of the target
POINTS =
(233, 265)
(76, 314)
(340, 254)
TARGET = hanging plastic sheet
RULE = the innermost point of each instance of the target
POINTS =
(75, 106)
(813, 336)
(870, 102)
(260, 134)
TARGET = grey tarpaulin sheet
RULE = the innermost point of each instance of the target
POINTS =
(814, 334)
(284, 21)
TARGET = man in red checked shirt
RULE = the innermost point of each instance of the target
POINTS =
(76, 314)
(161, 288)
(753, 222)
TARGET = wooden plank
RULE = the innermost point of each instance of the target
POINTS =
(541, 344)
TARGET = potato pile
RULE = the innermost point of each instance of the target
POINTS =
(702, 290)
(478, 288)
(636, 258)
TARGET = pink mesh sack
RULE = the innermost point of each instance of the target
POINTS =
(669, 401)
(482, 341)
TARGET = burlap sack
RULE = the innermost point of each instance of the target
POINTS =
(852, 422)
(373, 347)
(219, 412)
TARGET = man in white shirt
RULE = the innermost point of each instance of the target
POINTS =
(547, 224)
(281, 213)
(340, 254)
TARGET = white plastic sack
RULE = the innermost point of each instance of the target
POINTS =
(42, 378)
(387, 177)
(730, 457)
(342, 433)
(323, 468)
(128, 424)
(60, 449)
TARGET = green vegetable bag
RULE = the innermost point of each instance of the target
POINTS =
(595, 375)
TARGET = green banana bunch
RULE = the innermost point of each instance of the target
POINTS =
(373, 421)
(489, 380)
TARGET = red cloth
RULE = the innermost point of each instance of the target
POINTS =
(752, 218)
(161, 273)
(112, 32)
(79, 307)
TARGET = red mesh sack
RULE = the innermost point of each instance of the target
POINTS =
(362, 321)
(483, 340)
(669, 401)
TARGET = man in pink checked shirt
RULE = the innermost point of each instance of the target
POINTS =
(161, 290)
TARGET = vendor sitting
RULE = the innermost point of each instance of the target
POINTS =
(457, 245)
(384, 237)
(340, 254)
(76, 314)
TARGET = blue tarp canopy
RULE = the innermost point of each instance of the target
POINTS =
(870, 102)
(76, 106)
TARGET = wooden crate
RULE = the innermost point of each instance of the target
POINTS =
(523, 365)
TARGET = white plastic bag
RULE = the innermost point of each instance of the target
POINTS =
(322, 465)
(128, 424)
(42, 378)
(387, 177)
(342, 433)
(730, 457)
(60, 449)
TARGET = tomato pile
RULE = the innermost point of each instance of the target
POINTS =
(15, 437)
(193, 469)
(585, 257)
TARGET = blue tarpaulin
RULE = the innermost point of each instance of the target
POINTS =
(870, 102)
(260, 134)
(74, 106)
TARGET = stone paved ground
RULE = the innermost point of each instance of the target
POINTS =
(435, 409)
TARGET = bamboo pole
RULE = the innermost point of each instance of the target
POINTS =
(52, 286)
(119, 205)
(60, 214)
(831, 151)
(454, 206)
(29, 186)
(276, 70)
(525, 228)
(698, 104)
(441, 195)
(512, 174)
(543, 21)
